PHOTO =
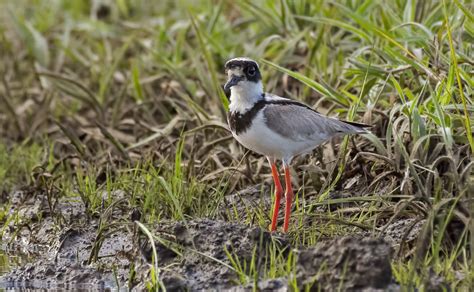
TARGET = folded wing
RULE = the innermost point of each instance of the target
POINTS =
(300, 123)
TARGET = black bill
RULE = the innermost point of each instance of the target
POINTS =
(232, 81)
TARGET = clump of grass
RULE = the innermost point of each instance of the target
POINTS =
(17, 164)
(269, 262)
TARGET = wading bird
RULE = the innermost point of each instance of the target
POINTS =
(277, 127)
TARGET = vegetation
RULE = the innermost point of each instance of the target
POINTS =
(109, 96)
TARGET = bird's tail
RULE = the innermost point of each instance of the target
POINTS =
(359, 127)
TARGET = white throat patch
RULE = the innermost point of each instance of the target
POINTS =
(244, 95)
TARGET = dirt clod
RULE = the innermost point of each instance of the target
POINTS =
(347, 262)
(205, 247)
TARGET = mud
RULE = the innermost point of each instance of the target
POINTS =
(350, 262)
(252, 200)
(403, 233)
(205, 245)
(110, 252)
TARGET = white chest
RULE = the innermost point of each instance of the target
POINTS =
(259, 138)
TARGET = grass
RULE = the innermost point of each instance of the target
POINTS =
(126, 97)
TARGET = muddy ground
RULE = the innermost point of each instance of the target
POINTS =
(111, 251)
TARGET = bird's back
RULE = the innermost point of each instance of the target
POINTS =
(300, 123)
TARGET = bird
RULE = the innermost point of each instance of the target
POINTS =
(276, 127)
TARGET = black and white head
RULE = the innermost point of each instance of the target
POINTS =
(244, 80)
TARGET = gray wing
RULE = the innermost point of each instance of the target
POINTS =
(300, 123)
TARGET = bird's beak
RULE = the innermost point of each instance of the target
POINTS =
(232, 81)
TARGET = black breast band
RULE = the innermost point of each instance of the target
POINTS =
(240, 122)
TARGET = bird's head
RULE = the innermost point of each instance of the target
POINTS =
(243, 75)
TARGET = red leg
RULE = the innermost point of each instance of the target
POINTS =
(278, 193)
(289, 198)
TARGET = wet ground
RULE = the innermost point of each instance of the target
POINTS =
(112, 252)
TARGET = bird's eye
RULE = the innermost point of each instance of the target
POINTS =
(251, 71)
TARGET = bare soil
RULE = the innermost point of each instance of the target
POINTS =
(92, 252)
